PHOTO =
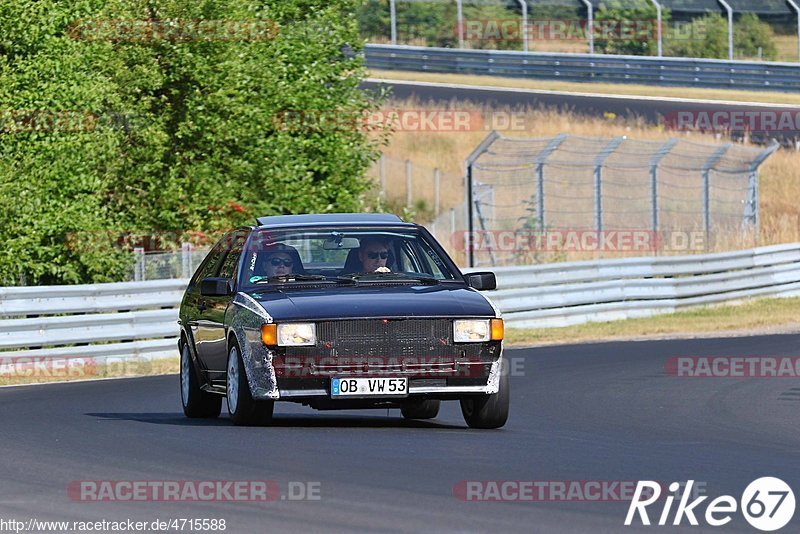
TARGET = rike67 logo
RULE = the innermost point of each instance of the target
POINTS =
(767, 504)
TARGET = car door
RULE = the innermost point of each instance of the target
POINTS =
(212, 316)
(202, 331)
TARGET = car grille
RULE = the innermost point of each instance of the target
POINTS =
(387, 337)
(385, 345)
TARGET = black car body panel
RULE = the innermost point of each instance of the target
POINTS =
(375, 300)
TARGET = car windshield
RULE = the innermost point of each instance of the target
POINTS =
(341, 256)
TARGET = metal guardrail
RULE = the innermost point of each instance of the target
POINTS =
(48, 322)
(96, 321)
(564, 294)
(710, 73)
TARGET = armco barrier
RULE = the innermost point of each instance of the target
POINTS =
(138, 319)
(711, 73)
(563, 294)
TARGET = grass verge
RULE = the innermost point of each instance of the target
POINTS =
(751, 317)
(765, 97)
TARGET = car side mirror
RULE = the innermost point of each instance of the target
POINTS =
(215, 287)
(482, 281)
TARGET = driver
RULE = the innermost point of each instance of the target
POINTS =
(374, 255)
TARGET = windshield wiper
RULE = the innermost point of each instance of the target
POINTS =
(290, 278)
(380, 277)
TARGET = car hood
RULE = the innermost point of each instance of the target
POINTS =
(289, 304)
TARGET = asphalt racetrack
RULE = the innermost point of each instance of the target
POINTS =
(651, 110)
(599, 412)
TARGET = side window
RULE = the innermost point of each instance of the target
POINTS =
(427, 260)
(209, 266)
(231, 261)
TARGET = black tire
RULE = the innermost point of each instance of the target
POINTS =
(242, 408)
(195, 401)
(421, 409)
(488, 411)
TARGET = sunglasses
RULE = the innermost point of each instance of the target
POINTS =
(276, 262)
(375, 255)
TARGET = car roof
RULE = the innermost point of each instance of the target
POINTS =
(326, 219)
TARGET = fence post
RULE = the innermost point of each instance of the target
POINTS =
(540, 162)
(729, 9)
(393, 20)
(186, 260)
(654, 164)
(138, 273)
(482, 222)
(436, 184)
(598, 180)
(797, 11)
(468, 205)
(590, 25)
(524, 5)
(751, 208)
(707, 166)
(460, 17)
(659, 30)
(408, 183)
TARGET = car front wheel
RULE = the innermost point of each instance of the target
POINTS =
(488, 411)
(242, 408)
(196, 402)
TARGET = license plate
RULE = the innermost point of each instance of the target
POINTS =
(369, 387)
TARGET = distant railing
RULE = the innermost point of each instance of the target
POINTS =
(710, 73)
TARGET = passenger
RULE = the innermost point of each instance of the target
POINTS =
(277, 260)
(279, 263)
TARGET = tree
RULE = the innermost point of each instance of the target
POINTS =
(184, 127)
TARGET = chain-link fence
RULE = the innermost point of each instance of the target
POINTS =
(162, 265)
(425, 192)
(560, 198)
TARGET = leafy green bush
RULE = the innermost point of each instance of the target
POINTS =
(750, 33)
(634, 29)
(180, 134)
(707, 37)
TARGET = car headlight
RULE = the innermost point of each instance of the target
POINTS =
(297, 335)
(477, 330)
(471, 330)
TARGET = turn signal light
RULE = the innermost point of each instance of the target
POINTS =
(269, 334)
(498, 330)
